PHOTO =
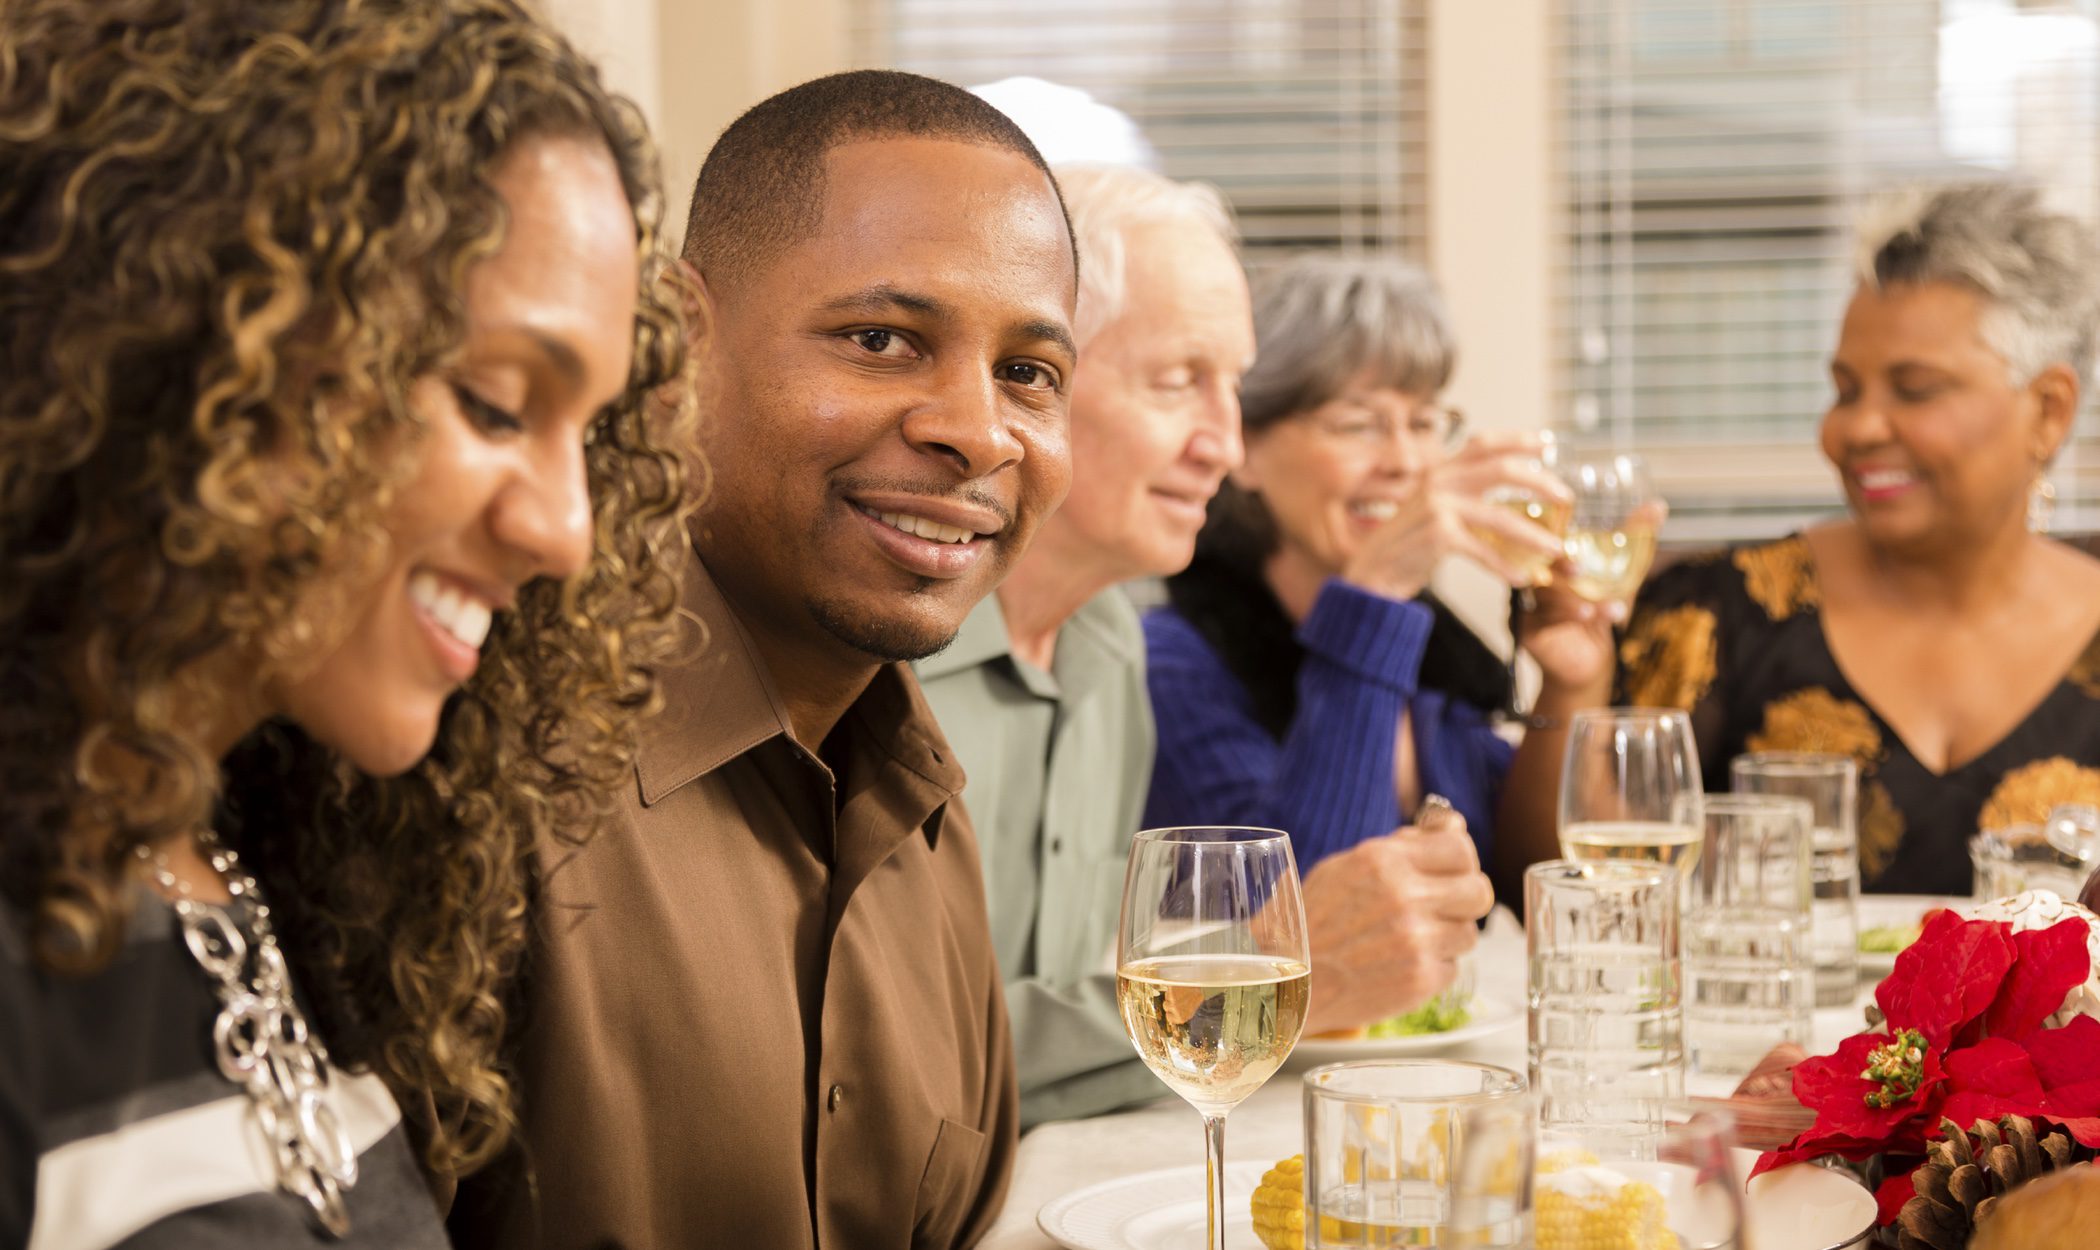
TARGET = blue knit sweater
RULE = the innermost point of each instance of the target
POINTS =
(1329, 781)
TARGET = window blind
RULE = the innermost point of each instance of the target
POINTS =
(1306, 114)
(1711, 156)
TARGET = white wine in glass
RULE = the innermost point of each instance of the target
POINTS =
(1213, 971)
(1630, 788)
(1214, 1027)
(1610, 537)
(1546, 512)
(1550, 515)
(1672, 846)
(1610, 564)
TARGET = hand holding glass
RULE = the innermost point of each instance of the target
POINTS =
(1213, 971)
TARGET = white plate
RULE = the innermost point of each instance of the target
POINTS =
(1490, 1015)
(1804, 1207)
(1160, 1210)
(1882, 911)
(1795, 1208)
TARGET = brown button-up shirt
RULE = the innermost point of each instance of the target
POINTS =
(754, 1023)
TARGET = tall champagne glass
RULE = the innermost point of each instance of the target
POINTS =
(1630, 788)
(1212, 971)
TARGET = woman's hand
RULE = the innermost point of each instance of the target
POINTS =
(1568, 635)
(1387, 920)
(1449, 516)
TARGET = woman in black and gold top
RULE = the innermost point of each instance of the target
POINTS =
(1932, 635)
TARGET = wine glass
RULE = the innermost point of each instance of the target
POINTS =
(1544, 511)
(1213, 971)
(1630, 788)
(1610, 537)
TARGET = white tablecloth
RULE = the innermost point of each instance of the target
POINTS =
(1057, 1158)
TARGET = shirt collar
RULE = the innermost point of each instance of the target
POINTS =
(1106, 623)
(981, 639)
(719, 702)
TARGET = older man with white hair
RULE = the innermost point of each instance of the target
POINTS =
(1043, 692)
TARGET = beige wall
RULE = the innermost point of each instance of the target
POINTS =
(1490, 231)
(693, 65)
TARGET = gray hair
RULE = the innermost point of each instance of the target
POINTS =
(1322, 321)
(2038, 270)
(1105, 202)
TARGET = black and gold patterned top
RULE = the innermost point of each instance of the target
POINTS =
(1737, 638)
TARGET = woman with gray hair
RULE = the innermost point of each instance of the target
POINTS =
(1303, 676)
(1933, 634)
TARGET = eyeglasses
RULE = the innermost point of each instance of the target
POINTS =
(1372, 426)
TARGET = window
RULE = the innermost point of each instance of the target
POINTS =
(1307, 114)
(1711, 157)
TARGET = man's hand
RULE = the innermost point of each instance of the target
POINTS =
(1388, 919)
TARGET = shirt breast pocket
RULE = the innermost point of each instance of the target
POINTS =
(950, 1186)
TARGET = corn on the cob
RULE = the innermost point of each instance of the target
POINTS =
(1587, 1208)
(1279, 1206)
(1595, 1208)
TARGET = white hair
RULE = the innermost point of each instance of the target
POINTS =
(2038, 270)
(1105, 202)
(1320, 322)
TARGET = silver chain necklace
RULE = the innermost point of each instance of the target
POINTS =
(261, 1037)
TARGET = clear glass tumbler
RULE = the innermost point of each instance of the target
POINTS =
(1676, 1186)
(1749, 964)
(2018, 858)
(1830, 783)
(1606, 1010)
(1381, 1141)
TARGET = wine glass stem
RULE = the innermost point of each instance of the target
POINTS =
(1214, 1180)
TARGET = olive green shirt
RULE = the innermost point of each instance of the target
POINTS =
(1058, 764)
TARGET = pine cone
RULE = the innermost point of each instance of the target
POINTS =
(1964, 1175)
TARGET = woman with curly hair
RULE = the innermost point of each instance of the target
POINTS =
(335, 553)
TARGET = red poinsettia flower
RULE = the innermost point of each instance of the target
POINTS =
(1965, 1005)
(2048, 1077)
(1943, 982)
(2047, 965)
(1847, 1123)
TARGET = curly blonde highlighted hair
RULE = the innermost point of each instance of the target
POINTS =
(232, 234)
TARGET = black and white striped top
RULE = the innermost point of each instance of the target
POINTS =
(117, 1129)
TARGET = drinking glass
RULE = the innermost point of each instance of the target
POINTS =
(1830, 783)
(1563, 1188)
(2018, 858)
(2074, 829)
(1212, 971)
(1545, 511)
(1606, 1044)
(1492, 1174)
(1749, 967)
(1610, 539)
(1381, 1137)
(1630, 788)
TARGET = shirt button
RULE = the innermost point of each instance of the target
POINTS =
(1057, 846)
(838, 1094)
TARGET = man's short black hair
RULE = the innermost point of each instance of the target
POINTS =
(762, 187)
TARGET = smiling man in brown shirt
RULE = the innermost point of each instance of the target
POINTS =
(764, 1012)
